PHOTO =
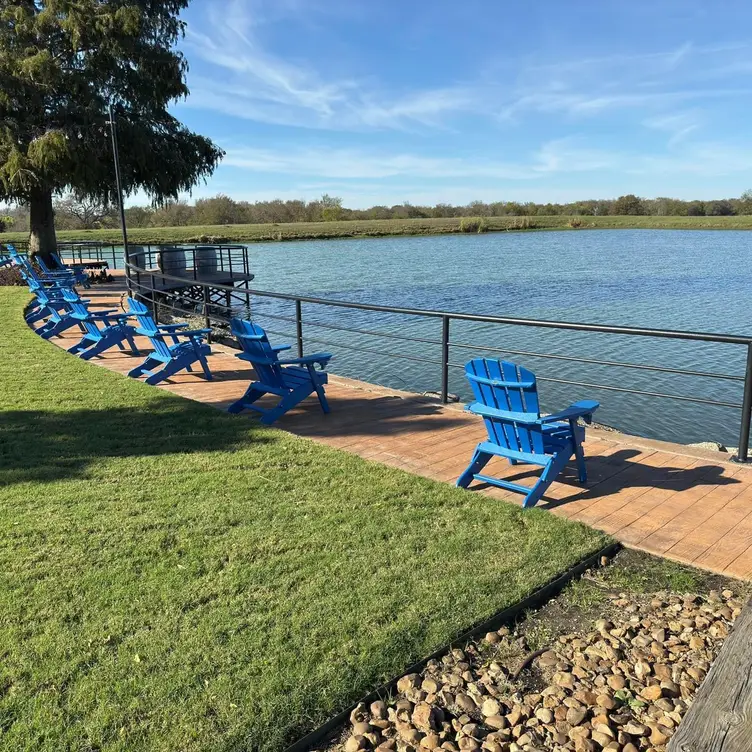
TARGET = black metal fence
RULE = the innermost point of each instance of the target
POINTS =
(220, 302)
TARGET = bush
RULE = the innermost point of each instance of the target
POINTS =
(521, 223)
(11, 277)
(473, 224)
(575, 223)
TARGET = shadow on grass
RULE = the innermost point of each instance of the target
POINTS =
(46, 446)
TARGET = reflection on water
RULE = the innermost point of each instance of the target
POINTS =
(689, 280)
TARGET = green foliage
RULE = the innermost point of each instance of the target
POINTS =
(224, 210)
(61, 65)
(220, 210)
(6, 221)
(628, 205)
(744, 204)
(186, 233)
(331, 208)
(473, 224)
(719, 209)
(176, 578)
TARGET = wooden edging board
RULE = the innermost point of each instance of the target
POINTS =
(508, 615)
(720, 718)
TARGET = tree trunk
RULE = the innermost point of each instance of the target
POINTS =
(42, 240)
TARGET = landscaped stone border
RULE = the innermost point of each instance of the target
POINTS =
(624, 686)
(505, 617)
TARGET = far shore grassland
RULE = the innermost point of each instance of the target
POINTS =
(392, 227)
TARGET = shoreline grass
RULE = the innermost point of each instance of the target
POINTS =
(391, 228)
(173, 577)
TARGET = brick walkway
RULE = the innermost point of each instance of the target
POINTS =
(679, 502)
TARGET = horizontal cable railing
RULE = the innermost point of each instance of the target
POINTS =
(217, 303)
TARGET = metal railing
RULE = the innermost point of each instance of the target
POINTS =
(218, 303)
(228, 261)
(231, 259)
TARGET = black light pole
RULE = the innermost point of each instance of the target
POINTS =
(116, 158)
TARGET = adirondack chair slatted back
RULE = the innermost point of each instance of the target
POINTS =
(79, 311)
(29, 274)
(46, 268)
(41, 294)
(258, 348)
(148, 328)
(516, 393)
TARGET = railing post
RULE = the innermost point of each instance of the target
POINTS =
(746, 411)
(154, 299)
(445, 359)
(299, 326)
(207, 321)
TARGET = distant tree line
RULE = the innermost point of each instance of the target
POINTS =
(75, 214)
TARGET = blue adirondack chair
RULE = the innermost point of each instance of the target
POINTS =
(54, 276)
(507, 399)
(77, 271)
(173, 357)
(45, 299)
(54, 281)
(291, 380)
(48, 302)
(95, 341)
(61, 312)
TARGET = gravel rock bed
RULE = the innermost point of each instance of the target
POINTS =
(622, 682)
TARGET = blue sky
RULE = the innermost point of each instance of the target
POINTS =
(428, 101)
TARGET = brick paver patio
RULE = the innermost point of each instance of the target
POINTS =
(683, 503)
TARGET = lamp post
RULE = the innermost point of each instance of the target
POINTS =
(113, 132)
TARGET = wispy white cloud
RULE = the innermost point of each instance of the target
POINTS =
(361, 164)
(558, 156)
(708, 159)
(252, 83)
(651, 81)
(562, 157)
(678, 125)
(244, 78)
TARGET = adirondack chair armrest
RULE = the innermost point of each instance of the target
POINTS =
(193, 333)
(321, 358)
(280, 348)
(583, 409)
(171, 327)
(494, 413)
(108, 312)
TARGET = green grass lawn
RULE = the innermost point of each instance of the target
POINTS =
(385, 227)
(175, 578)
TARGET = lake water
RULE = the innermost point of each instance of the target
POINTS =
(691, 280)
